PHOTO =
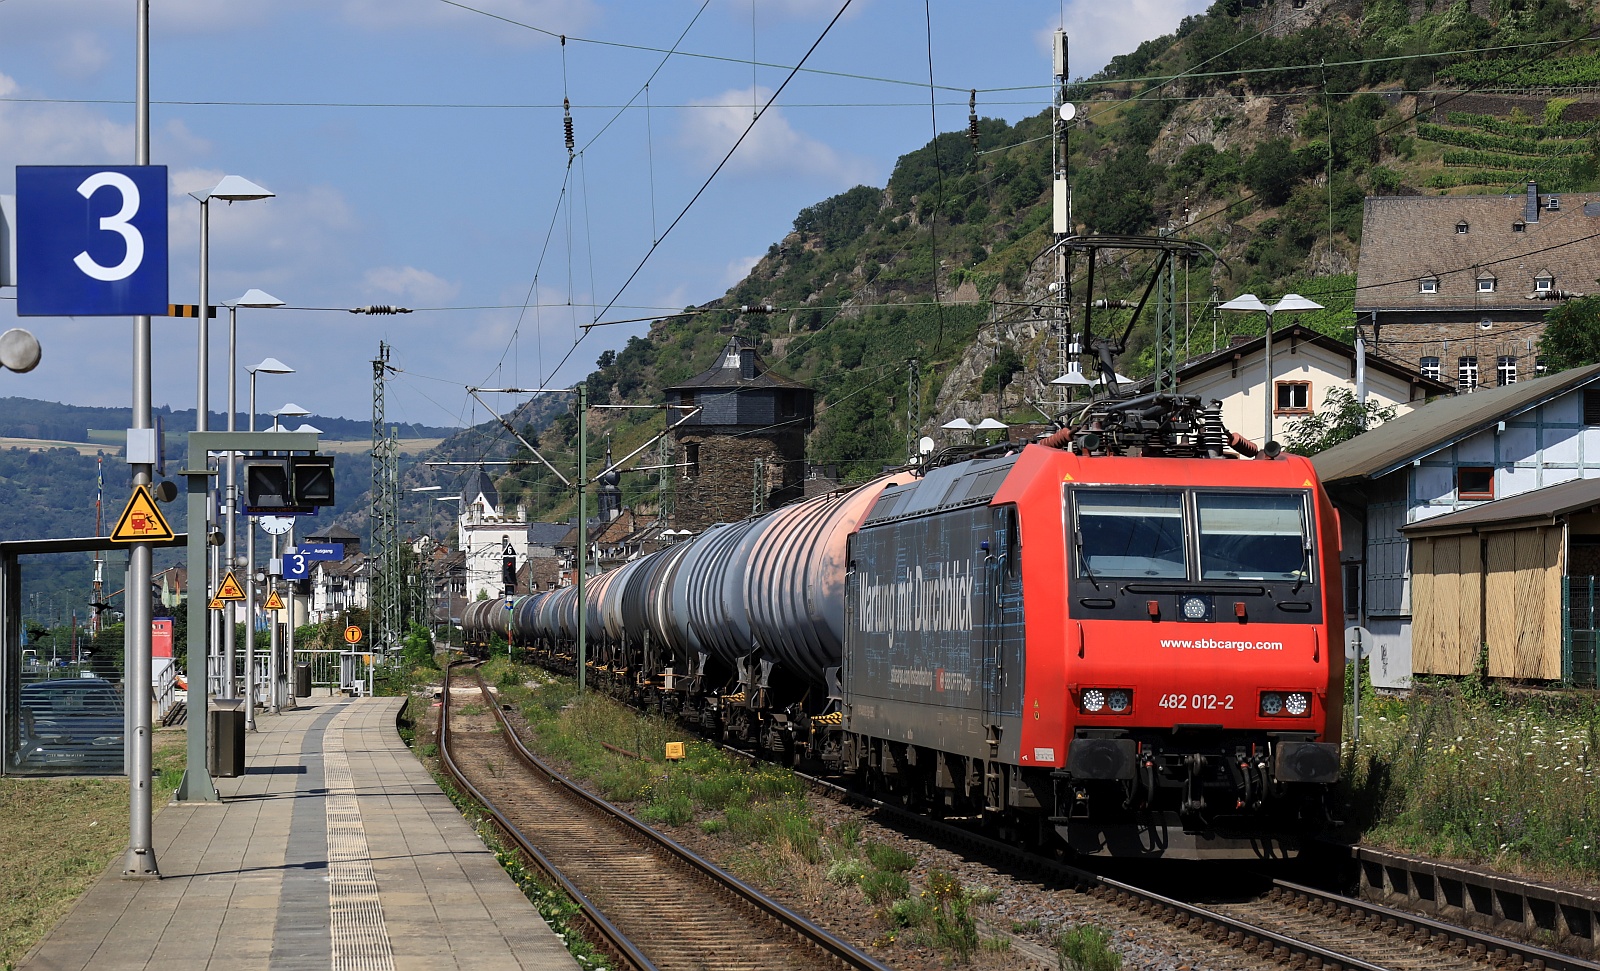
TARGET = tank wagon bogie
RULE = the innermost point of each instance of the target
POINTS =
(1115, 642)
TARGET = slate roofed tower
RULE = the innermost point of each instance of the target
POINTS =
(751, 423)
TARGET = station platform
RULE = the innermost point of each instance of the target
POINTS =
(335, 849)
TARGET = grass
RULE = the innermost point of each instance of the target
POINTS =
(73, 828)
(1466, 771)
(1086, 948)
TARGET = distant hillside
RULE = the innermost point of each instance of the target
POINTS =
(50, 420)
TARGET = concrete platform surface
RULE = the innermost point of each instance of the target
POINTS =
(335, 850)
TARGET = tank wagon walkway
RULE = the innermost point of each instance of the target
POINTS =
(334, 850)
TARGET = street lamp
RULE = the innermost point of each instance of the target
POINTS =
(231, 189)
(251, 298)
(1291, 303)
(289, 410)
(269, 365)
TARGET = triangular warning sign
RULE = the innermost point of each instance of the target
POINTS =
(274, 602)
(141, 521)
(217, 603)
(230, 589)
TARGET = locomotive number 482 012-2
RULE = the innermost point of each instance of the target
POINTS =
(1197, 701)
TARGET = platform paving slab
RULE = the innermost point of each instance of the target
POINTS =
(335, 850)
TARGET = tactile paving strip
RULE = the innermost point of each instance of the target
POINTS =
(360, 940)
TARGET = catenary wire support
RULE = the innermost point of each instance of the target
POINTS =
(913, 409)
(384, 516)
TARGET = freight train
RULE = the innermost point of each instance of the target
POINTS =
(1124, 638)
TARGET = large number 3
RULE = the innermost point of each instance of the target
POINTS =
(115, 224)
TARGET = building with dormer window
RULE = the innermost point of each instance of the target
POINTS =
(1466, 280)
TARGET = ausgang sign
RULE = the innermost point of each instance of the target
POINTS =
(91, 240)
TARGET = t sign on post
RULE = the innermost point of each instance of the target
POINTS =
(91, 240)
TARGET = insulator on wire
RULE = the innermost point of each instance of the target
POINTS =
(758, 308)
(380, 308)
(972, 119)
(566, 122)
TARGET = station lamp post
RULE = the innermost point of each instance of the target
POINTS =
(269, 365)
(275, 644)
(1291, 303)
(251, 298)
(231, 189)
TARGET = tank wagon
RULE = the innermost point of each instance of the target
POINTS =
(1126, 637)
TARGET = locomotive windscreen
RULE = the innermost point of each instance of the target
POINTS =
(1253, 536)
(1132, 534)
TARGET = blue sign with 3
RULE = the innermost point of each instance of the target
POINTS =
(296, 566)
(91, 240)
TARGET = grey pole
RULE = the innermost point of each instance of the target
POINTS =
(1271, 392)
(140, 861)
(583, 533)
(276, 663)
(275, 643)
(231, 494)
(249, 555)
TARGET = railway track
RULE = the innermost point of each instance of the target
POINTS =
(1290, 924)
(646, 901)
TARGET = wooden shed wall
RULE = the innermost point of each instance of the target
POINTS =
(1446, 603)
(1522, 589)
(1512, 602)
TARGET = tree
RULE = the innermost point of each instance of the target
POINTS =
(1572, 334)
(1340, 419)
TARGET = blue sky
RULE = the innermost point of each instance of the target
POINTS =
(416, 149)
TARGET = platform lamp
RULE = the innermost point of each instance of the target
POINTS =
(960, 425)
(1291, 303)
(231, 189)
(277, 679)
(251, 298)
(269, 365)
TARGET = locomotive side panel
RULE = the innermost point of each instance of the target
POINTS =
(932, 658)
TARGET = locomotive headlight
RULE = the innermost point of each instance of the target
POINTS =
(1271, 703)
(1119, 700)
(1297, 703)
(1196, 608)
(1093, 700)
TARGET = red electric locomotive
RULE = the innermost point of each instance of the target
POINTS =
(1130, 633)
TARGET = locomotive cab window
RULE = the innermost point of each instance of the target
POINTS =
(1131, 534)
(1253, 536)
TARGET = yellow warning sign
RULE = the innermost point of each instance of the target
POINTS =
(141, 521)
(217, 603)
(230, 589)
(352, 634)
(274, 602)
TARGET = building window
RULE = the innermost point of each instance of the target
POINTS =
(686, 398)
(1591, 407)
(1519, 226)
(1352, 590)
(788, 403)
(1553, 204)
(1505, 370)
(1475, 482)
(1544, 283)
(1486, 285)
(691, 460)
(1467, 373)
(1538, 365)
(1294, 398)
(1430, 368)
(1430, 284)
(1461, 228)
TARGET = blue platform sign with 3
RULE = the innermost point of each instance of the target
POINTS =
(91, 240)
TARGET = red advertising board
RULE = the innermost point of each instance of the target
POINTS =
(161, 637)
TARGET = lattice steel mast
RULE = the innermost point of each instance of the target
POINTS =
(384, 594)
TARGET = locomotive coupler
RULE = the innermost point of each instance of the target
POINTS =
(1194, 794)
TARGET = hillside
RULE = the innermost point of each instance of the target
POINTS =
(1256, 129)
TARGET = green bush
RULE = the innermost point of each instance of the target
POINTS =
(909, 912)
(846, 871)
(889, 858)
(881, 886)
(672, 811)
(1087, 948)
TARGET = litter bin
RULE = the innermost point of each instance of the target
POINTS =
(225, 760)
(302, 680)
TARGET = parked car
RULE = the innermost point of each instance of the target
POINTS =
(72, 724)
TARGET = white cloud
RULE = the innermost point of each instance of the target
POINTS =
(773, 147)
(558, 16)
(738, 268)
(81, 54)
(1098, 31)
(56, 134)
(410, 283)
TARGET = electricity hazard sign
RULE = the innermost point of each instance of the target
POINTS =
(230, 589)
(141, 521)
(274, 602)
(217, 603)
